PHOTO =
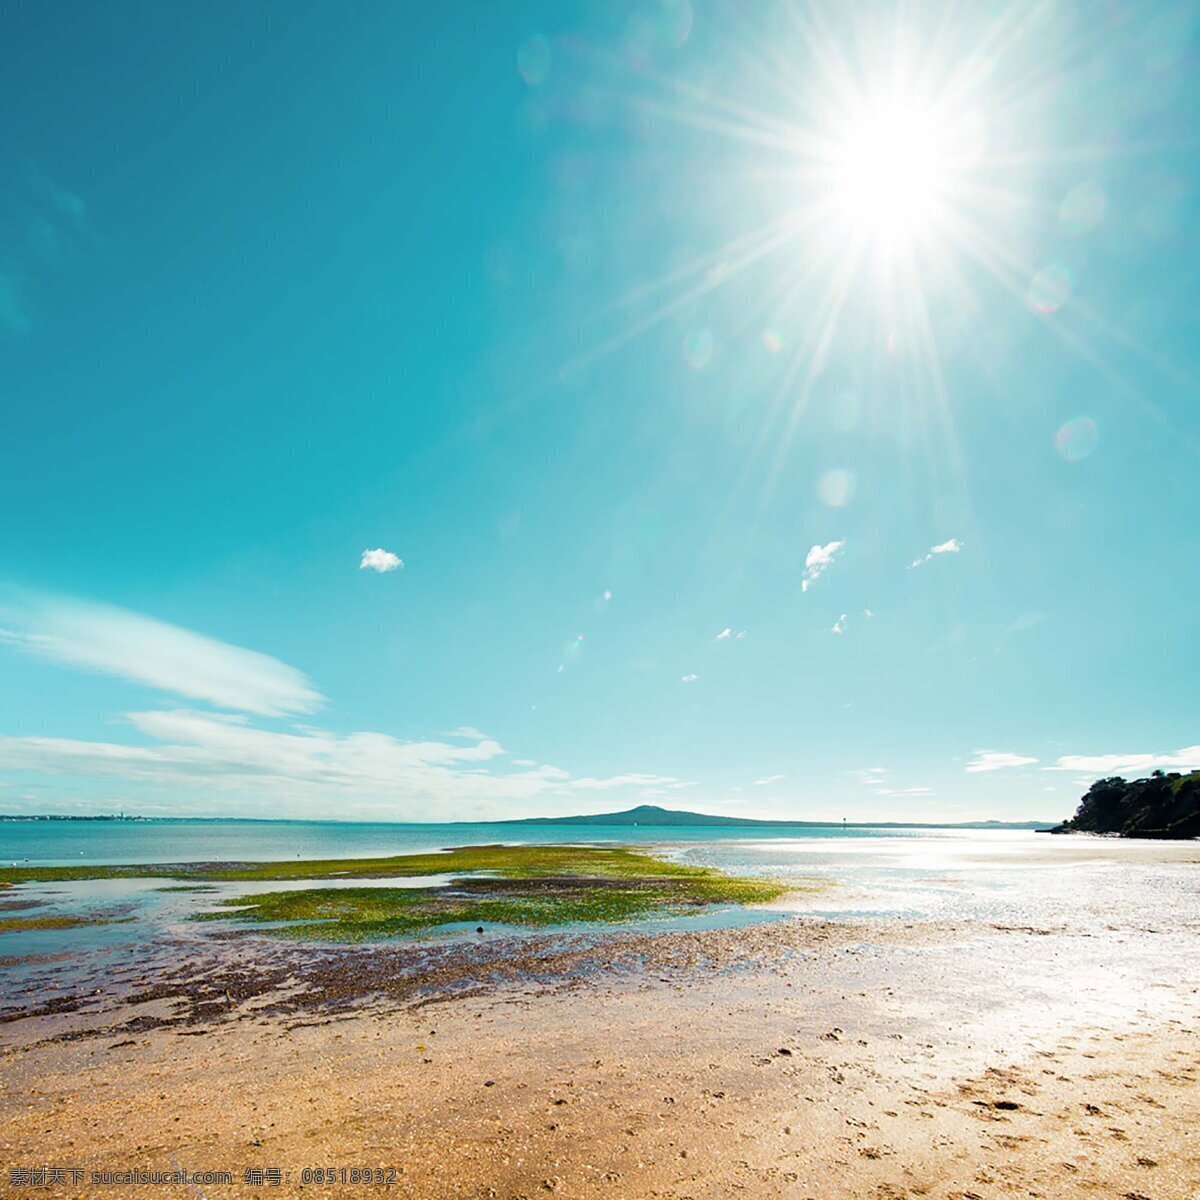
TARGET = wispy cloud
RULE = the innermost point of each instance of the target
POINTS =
(1187, 759)
(54, 223)
(997, 760)
(727, 633)
(953, 546)
(1026, 621)
(380, 560)
(689, 678)
(839, 626)
(13, 314)
(128, 645)
(818, 560)
(466, 731)
(872, 776)
(52, 196)
(632, 779)
(875, 779)
(768, 780)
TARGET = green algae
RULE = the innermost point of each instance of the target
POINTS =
(509, 861)
(374, 913)
(27, 924)
(541, 885)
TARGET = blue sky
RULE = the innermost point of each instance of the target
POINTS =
(871, 342)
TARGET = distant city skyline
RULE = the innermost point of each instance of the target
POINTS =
(771, 413)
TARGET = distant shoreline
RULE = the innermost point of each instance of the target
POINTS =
(573, 822)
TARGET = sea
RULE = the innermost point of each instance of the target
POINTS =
(65, 842)
(992, 877)
(917, 873)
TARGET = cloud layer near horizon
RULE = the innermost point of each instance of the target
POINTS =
(178, 759)
(212, 761)
(1185, 759)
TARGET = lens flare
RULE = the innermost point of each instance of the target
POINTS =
(534, 59)
(836, 488)
(1050, 288)
(1076, 439)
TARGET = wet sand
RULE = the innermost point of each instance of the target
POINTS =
(798, 1059)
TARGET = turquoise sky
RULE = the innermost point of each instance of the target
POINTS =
(772, 409)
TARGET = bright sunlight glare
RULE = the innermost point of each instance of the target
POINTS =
(889, 173)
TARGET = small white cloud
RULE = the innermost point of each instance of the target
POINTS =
(689, 679)
(868, 613)
(818, 560)
(768, 780)
(380, 560)
(839, 626)
(997, 760)
(727, 633)
(951, 546)
(1186, 759)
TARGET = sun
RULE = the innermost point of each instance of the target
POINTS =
(872, 176)
(890, 173)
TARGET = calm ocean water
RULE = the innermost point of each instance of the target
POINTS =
(62, 842)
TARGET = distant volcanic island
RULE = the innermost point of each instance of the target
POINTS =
(652, 814)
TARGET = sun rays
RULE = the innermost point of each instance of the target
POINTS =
(876, 186)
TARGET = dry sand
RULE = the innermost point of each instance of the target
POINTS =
(803, 1059)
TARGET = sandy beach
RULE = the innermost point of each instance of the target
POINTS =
(802, 1058)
